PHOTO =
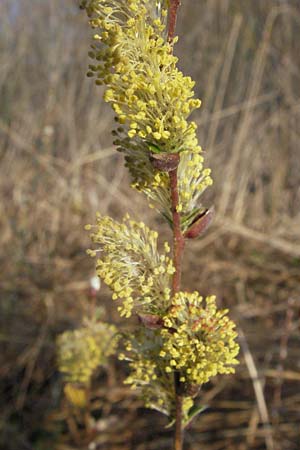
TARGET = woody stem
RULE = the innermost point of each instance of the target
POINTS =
(178, 248)
(172, 18)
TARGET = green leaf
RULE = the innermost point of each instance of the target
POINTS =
(154, 148)
(194, 412)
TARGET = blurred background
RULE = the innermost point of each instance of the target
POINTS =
(58, 167)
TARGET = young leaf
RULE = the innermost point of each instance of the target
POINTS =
(153, 148)
(194, 412)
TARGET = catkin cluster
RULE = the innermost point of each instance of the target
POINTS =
(181, 334)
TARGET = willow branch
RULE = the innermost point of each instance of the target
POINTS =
(178, 239)
(178, 248)
(172, 18)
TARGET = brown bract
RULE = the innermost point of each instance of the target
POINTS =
(152, 321)
(200, 224)
(165, 162)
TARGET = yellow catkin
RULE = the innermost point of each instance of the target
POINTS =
(133, 59)
(82, 351)
(198, 340)
(130, 264)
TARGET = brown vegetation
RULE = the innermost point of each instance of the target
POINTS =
(58, 167)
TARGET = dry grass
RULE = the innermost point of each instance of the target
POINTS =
(58, 167)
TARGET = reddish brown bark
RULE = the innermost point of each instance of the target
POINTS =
(172, 18)
(178, 239)
(178, 248)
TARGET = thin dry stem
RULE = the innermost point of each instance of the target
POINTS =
(259, 391)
